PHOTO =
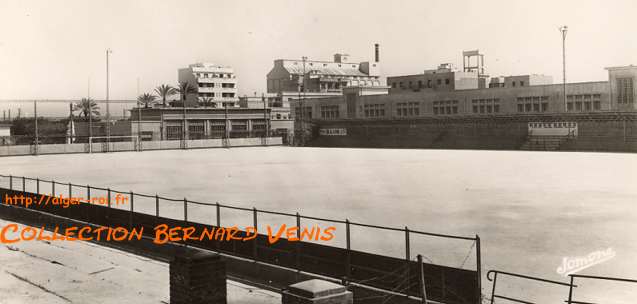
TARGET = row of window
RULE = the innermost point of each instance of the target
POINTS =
(533, 107)
(420, 83)
(445, 107)
(584, 106)
(214, 75)
(407, 109)
(212, 85)
(329, 112)
(374, 110)
(211, 94)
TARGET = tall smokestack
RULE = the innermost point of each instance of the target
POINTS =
(376, 53)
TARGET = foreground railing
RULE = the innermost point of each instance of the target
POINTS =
(492, 276)
(407, 276)
(590, 277)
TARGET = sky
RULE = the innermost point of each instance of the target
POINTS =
(56, 49)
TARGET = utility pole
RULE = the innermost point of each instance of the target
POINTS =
(265, 116)
(302, 104)
(35, 112)
(108, 113)
(563, 30)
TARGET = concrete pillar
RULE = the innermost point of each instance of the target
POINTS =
(197, 277)
(317, 292)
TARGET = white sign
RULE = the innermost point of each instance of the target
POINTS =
(560, 128)
(333, 132)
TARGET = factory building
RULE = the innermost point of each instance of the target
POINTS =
(306, 79)
(525, 97)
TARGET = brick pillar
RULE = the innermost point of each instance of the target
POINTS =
(317, 292)
(197, 277)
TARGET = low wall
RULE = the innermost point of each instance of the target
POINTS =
(608, 132)
(131, 146)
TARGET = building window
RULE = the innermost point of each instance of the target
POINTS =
(393, 85)
(569, 106)
(407, 109)
(520, 107)
(625, 90)
(173, 132)
(374, 110)
(195, 131)
(439, 81)
(597, 105)
(447, 81)
(329, 112)
(545, 106)
(475, 109)
(218, 127)
(521, 83)
(513, 84)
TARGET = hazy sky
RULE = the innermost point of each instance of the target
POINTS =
(49, 49)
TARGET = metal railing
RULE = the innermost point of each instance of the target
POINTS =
(581, 276)
(494, 279)
(18, 183)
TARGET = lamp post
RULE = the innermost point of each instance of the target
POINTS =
(108, 113)
(563, 30)
(304, 58)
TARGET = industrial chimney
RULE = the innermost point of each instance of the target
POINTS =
(376, 52)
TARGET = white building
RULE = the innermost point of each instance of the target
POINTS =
(214, 83)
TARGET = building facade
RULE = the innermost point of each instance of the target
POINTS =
(199, 123)
(214, 83)
(616, 94)
(295, 79)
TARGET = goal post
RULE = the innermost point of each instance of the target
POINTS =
(115, 143)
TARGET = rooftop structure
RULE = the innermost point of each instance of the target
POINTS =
(323, 78)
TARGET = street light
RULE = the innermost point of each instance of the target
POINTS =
(563, 30)
(108, 113)
(304, 58)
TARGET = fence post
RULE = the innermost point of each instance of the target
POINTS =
(53, 187)
(156, 205)
(11, 182)
(256, 225)
(423, 289)
(70, 190)
(218, 215)
(407, 260)
(185, 211)
(348, 262)
(495, 280)
(23, 185)
(479, 266)
(88, 193)
(108, 197)
(132, 208)
(298, 244)
(37, 185)
(570, 291)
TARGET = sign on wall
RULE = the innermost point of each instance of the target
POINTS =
(333, 132)
(560, 128)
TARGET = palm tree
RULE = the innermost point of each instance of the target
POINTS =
(164, 91)
(185, 89)
(146, 99)
(208, 102)
(86, 107)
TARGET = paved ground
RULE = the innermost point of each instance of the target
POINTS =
(65, 272)
(531, 209)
